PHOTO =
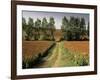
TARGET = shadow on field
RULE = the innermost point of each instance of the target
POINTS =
(33, 62)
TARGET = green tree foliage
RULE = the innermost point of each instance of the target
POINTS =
(24, 23)
(51, 26)
(82, 26)
(88, 29)
(24, 26)
(30, 28)
(44, 23)
(38, 30)
(82, 23)
(44, 28)
(74, 28)
(65, 26)
(38, 27)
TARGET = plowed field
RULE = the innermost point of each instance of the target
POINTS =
(77, 46)
(33, 48)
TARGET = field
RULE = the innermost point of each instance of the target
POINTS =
(65, 53)
(77, 46)
(35, 47)
(57, 34)
(75, 53)
(34, 51)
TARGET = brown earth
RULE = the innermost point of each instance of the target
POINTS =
(77, 46)
(30, 48)
(57, 34)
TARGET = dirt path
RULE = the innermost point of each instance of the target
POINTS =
(57, 64)
(54, 58)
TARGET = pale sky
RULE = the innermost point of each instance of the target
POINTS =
(57, 16)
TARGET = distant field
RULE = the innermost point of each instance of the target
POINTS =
(77, 46)
(33, 48)
(58, 34)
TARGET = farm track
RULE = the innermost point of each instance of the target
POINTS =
(56, 64)
(54, 59)
(49, 60)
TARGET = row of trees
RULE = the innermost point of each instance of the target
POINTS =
(74, 29)
(39, 29)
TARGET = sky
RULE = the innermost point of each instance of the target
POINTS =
(57, 16)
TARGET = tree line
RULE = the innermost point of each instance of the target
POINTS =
(39, 29)
(72, 29)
